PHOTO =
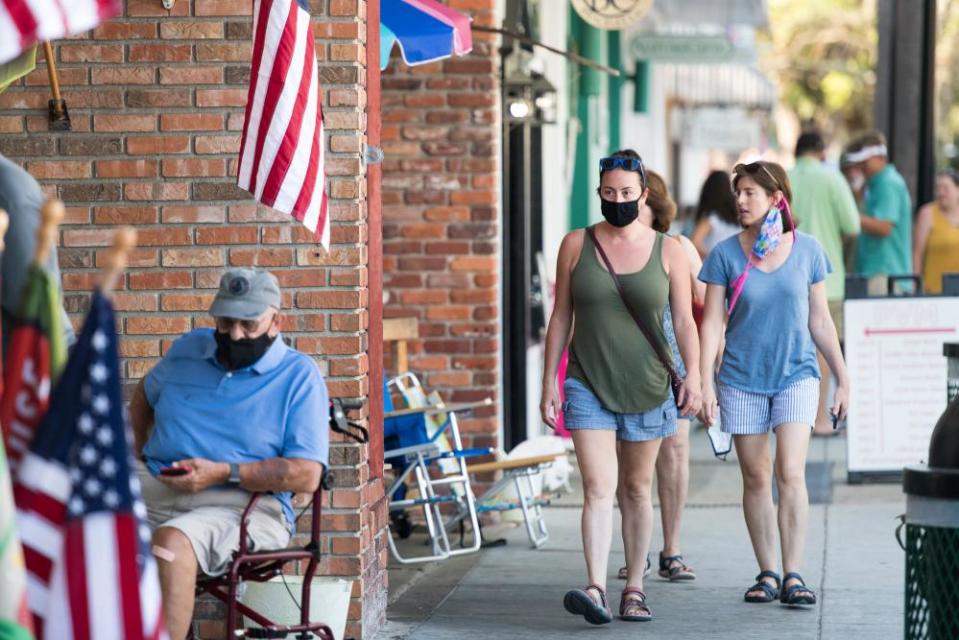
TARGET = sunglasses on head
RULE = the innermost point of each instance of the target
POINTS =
(627, 164)
(756, 167)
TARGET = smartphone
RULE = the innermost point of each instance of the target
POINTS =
(174, 471)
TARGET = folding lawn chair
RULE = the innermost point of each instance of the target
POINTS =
(426, 451)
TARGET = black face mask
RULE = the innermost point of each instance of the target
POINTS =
(238, 354)
(620, 214)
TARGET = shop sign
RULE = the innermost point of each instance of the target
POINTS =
(724, 129)
(679, 48)
(611, 15)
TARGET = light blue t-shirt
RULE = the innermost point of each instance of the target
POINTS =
(276, 408)
(768, 344)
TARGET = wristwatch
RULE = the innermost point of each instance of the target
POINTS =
(234, 473)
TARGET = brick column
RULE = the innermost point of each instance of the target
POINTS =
(156, 102)
(440, 211)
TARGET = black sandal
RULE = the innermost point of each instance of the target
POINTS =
(674, 569)
(623, 572)
(797, 594)
(770, 593)
(580, 603)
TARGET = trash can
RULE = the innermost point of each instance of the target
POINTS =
(951, 351)
(932, 535)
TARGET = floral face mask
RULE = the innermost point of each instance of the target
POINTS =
(770, 237)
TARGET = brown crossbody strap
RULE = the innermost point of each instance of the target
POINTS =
(674, 378)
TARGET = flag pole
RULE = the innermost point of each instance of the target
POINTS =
(124, 241)
(51, 213)
(4, 223)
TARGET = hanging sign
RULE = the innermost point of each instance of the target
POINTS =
(611, 15)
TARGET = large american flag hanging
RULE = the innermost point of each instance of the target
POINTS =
(90, 574)
(282, 151)
(23, 23)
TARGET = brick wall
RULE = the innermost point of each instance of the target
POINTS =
(441, 201)
(156, 101)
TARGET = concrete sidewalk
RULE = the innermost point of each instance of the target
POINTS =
(853, 563)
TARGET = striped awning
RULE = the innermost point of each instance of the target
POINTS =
(424, 29)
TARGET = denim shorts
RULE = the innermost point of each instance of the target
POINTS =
(745, 413)
(583, 410)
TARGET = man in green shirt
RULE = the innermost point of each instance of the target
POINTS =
(826, 209)
(885, 246)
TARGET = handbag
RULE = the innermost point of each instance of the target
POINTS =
(675, 381)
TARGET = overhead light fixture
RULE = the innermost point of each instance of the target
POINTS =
(519, 108)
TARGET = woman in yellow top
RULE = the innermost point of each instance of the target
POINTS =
(936, 238)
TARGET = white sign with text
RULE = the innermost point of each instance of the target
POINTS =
(897, 378)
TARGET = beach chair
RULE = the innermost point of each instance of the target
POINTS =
(425, 450)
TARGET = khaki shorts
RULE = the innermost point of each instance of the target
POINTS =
(835, 310)
(211, 520)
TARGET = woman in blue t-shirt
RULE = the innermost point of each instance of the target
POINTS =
(772, 277)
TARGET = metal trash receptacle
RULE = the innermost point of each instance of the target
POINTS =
(932, 536)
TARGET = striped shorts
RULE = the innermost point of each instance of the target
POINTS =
(747, 413)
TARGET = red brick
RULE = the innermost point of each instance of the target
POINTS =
(156, 145)
(126, 168)
(191, 257)
(209, 214)
(148, 8)
(235, 51)
(157, 325)
(161, 280)
(124, 123)
(125, 215)
(190, 30)
(190, 122)
(132, 348)
(261, 257)
(70, 52)
(191, 75)
(123, 75)
(227, 235)
(186, 302)
(224, 8)
(115, 30)
(192, 167)
(125, 301)
(221, 97)
(61, 170)
(165, 52)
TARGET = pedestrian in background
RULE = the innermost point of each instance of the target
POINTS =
(716, 215)
(672, 463)
(936, 242)
(617, 388)
(824, 202)
(885, 244)
(773, 278)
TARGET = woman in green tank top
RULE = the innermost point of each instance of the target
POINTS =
(617, 388)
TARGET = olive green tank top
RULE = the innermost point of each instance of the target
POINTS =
(609, 353)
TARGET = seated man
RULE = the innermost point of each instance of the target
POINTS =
(233, 410)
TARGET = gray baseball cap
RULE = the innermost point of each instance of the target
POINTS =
(245, 294)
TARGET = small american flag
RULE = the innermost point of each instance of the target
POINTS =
(282, 151)
(90, 574)
(23, 23)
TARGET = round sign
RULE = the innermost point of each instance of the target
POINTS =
(611, 14)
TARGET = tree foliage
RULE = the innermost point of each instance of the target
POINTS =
(823, 55)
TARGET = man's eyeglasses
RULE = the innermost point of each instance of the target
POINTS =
(627, 164)
(225, 325)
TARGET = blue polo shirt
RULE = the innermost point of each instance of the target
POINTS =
(276, 408)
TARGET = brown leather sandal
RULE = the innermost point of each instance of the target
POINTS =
(580, 603)
(633, 607)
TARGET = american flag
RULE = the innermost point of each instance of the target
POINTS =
(23, 23)
(282, 151)
(90, 574)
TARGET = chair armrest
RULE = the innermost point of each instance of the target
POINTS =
(243, 522)
(434, 409)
